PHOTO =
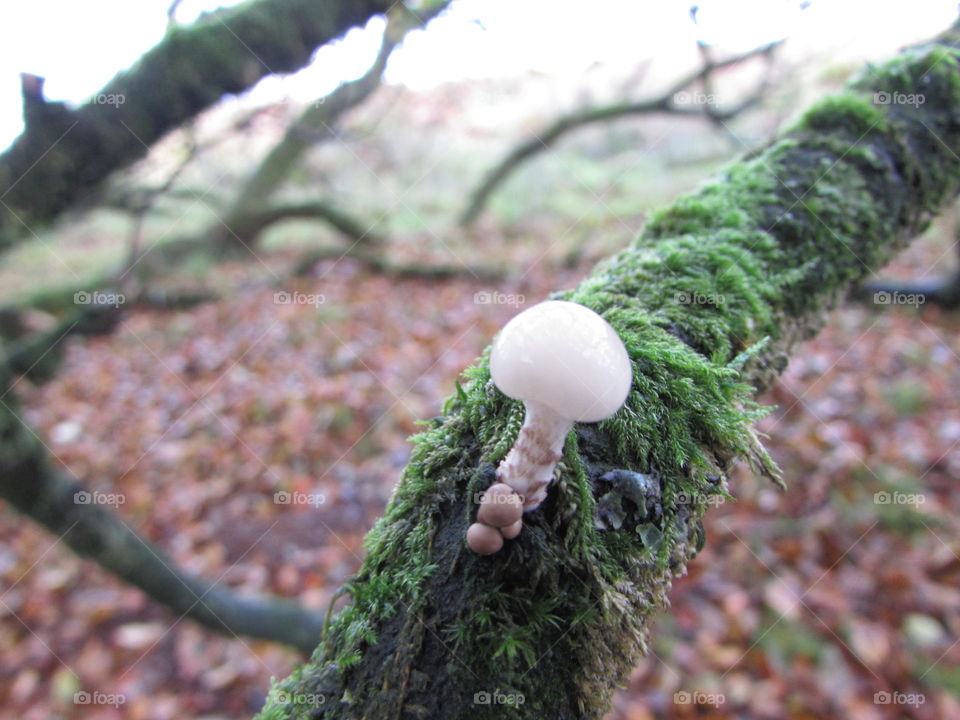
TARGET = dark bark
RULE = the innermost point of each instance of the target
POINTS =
(63, 154)
(941, 291)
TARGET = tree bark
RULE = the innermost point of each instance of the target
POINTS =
(710, 301)
(63, 154)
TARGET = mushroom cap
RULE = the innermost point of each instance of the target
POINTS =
(511, 531)
(500, 506)
(484, 539)
(564, 356)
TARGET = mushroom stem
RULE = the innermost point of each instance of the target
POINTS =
(528, 467)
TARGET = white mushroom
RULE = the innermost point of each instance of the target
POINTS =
(567, 365)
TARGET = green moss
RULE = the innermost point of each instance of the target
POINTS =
(850, 113)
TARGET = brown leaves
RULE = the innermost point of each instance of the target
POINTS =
(256, 443)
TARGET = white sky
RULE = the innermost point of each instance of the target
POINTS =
(78, 46)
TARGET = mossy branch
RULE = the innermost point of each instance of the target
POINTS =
(710, 301)
(63, 154)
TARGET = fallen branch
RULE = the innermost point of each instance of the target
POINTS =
(943, 292)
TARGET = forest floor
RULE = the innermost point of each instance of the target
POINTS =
(804, 604)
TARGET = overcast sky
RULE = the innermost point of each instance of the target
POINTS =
(79, 46)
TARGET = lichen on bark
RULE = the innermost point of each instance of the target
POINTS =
(710, 300)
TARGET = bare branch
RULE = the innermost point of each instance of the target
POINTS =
(377, 261)
(63, 154)
(242, 222)
(663, 104)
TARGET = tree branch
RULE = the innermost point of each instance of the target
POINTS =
(243, 221)
(63, 154)
(665, 103)
(943, 291)
(353, 228)
(378, 262)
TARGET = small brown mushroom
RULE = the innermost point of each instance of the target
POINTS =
(511, 531)
(500, 506)
(484, 539)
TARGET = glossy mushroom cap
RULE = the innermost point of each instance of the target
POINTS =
(500, 506)
(483, 539)
(564, 356)
(511, 531)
